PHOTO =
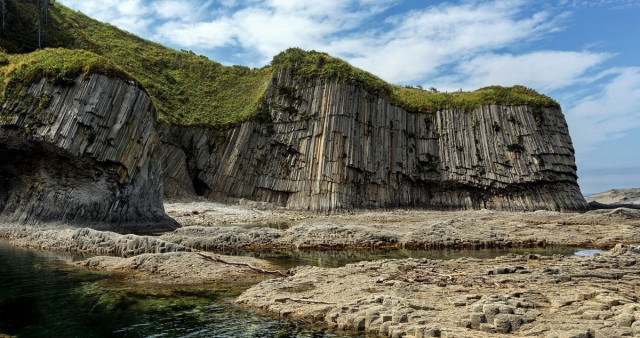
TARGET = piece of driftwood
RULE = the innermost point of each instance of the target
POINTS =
(307, 301)
(220, 260)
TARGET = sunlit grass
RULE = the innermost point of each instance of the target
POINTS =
(190, 89)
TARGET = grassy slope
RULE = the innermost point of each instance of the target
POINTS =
(309, 64)
(185, 88)
(60, 66)
(189, 89)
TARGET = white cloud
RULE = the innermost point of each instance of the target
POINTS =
(204, 35)
(272, 26)
(600, 3)
(173, 9)
(610, 113)
(422, 41)
(131, 15)
(543, 70)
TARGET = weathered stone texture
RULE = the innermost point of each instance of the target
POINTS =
(332, 145)
(85, 153)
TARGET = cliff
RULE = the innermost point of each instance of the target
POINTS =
(84, 152)
(308, 131)
(324, 144)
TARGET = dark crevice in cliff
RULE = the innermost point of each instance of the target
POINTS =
(200, 186)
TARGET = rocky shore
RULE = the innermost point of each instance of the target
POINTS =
(527, 295)
(524, 295)
(143, 259)
(213, 226)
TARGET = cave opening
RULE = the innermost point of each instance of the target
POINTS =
(201, 188)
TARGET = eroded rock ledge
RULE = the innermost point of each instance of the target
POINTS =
(85, 153)
(526, 295)
(325, 144)
(213, 226)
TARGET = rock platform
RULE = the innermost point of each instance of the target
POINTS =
(522, 295)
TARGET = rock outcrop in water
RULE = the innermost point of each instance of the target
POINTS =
(84, 153)
(326, 144)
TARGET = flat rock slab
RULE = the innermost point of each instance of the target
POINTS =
(86, 240)
(208, 226)
(142, 258)
(523, 295)
(182, 268)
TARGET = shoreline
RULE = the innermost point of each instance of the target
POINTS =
(464, 296)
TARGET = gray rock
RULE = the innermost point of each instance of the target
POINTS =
(477, 319)
(625, 319)
(85, 153)
(332, 145)
(502, 323)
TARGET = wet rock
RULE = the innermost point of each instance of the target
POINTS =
(183, 268)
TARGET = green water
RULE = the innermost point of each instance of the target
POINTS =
(42, 296)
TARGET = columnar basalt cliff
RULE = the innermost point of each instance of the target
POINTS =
(83, 153)
(325, 144)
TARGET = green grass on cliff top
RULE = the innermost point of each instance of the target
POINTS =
(59, 66)
(306, 65)
(189, 89)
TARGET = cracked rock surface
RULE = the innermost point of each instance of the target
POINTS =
(517, 294)
(212, 226)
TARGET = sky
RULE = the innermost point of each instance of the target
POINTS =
(583, 53)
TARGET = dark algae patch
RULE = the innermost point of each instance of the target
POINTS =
(190, 89)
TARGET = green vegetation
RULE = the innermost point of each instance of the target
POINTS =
(415, 99)
(516, 146)
(185, 88)
(308, 64)
(189, 89)
(59, 66)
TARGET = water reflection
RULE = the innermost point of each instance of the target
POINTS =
(336, 258)
(587, 252)
(42, 296)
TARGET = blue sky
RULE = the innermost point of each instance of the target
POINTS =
(585, 54)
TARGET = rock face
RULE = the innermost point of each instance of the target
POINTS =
(326, 144)
(85, 153)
